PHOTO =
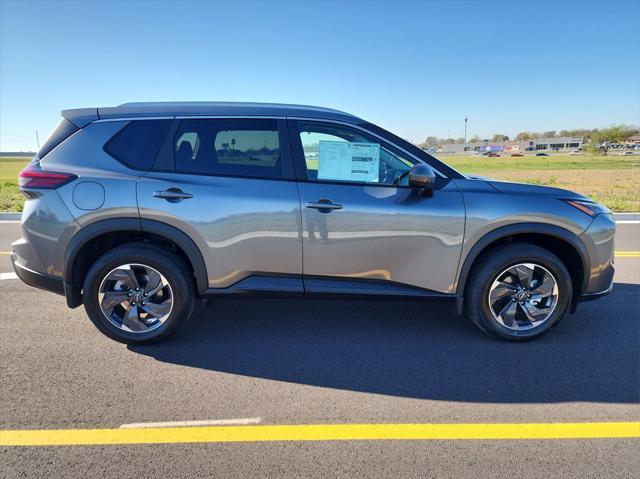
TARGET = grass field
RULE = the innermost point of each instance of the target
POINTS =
(612, 180)
(10, 197)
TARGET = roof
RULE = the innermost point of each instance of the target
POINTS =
(558, 139)
(83, 116)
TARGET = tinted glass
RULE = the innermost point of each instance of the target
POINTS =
(138, 143)
(64, 130)
(229, 147)
(337, 153)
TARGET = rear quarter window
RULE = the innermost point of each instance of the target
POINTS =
(137, 144)
(64, 130)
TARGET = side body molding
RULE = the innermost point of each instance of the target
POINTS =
(73, 293)
(515, 229)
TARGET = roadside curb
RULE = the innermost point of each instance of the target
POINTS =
(9, 216)
(626, 216)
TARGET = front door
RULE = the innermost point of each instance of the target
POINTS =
(361, 221)
(231, 189)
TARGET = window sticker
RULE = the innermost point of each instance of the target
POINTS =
(339, 160)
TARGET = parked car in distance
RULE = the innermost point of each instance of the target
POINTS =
(493, 155)
(542, 154)
(576, 152)
(140, 210)
(628, 153)
(516, 154)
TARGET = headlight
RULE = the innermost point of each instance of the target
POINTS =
(589, 207)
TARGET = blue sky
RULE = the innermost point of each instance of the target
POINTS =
(416, 68)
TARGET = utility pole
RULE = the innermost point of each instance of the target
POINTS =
(37, 139)
(466, 119)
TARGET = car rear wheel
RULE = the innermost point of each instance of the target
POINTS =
(518, 291)
(138, 293)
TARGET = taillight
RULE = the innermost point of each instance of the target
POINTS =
(34, 177)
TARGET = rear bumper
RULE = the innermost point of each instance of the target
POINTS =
(37, 280)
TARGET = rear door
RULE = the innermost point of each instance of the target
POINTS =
(363, 224)
(228, 183)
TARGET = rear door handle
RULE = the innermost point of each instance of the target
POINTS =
(325, 206)
(172, 195)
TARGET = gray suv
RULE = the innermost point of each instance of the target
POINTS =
(138, 210)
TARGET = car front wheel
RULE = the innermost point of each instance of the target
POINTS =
(518, 291)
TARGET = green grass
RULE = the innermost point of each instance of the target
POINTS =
(10, 197)
(480, 164)
(612, 180)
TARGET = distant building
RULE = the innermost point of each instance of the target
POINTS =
(540, 144)
(462, 148)
(558, 143)
(516, 146)
(481, 147)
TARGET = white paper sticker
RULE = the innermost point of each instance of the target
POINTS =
(344, 161)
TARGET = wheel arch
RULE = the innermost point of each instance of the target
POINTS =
(79, 254)
(563, 243)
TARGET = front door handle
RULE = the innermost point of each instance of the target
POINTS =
(323, 205)
(173, 195)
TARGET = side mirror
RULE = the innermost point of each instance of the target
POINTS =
(422, 178)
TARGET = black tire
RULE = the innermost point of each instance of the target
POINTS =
(493, 263)
(160, 258)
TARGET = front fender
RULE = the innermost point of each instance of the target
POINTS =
(573, 240)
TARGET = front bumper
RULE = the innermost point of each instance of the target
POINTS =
(600, 244)
(37, 280)
(599, 294)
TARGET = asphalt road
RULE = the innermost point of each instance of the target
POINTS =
(322, 362)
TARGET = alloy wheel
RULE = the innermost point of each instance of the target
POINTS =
(135, 298)
(523, 296)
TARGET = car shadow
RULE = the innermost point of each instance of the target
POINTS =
(416, 349)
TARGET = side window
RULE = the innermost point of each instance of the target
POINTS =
(137, 144)
(242, 147)
(339, 153)
(188, 143)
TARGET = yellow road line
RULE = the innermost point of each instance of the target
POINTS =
(318, 432)
(5, 252)
(628, 254)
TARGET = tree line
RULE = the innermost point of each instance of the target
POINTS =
(613, 134)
